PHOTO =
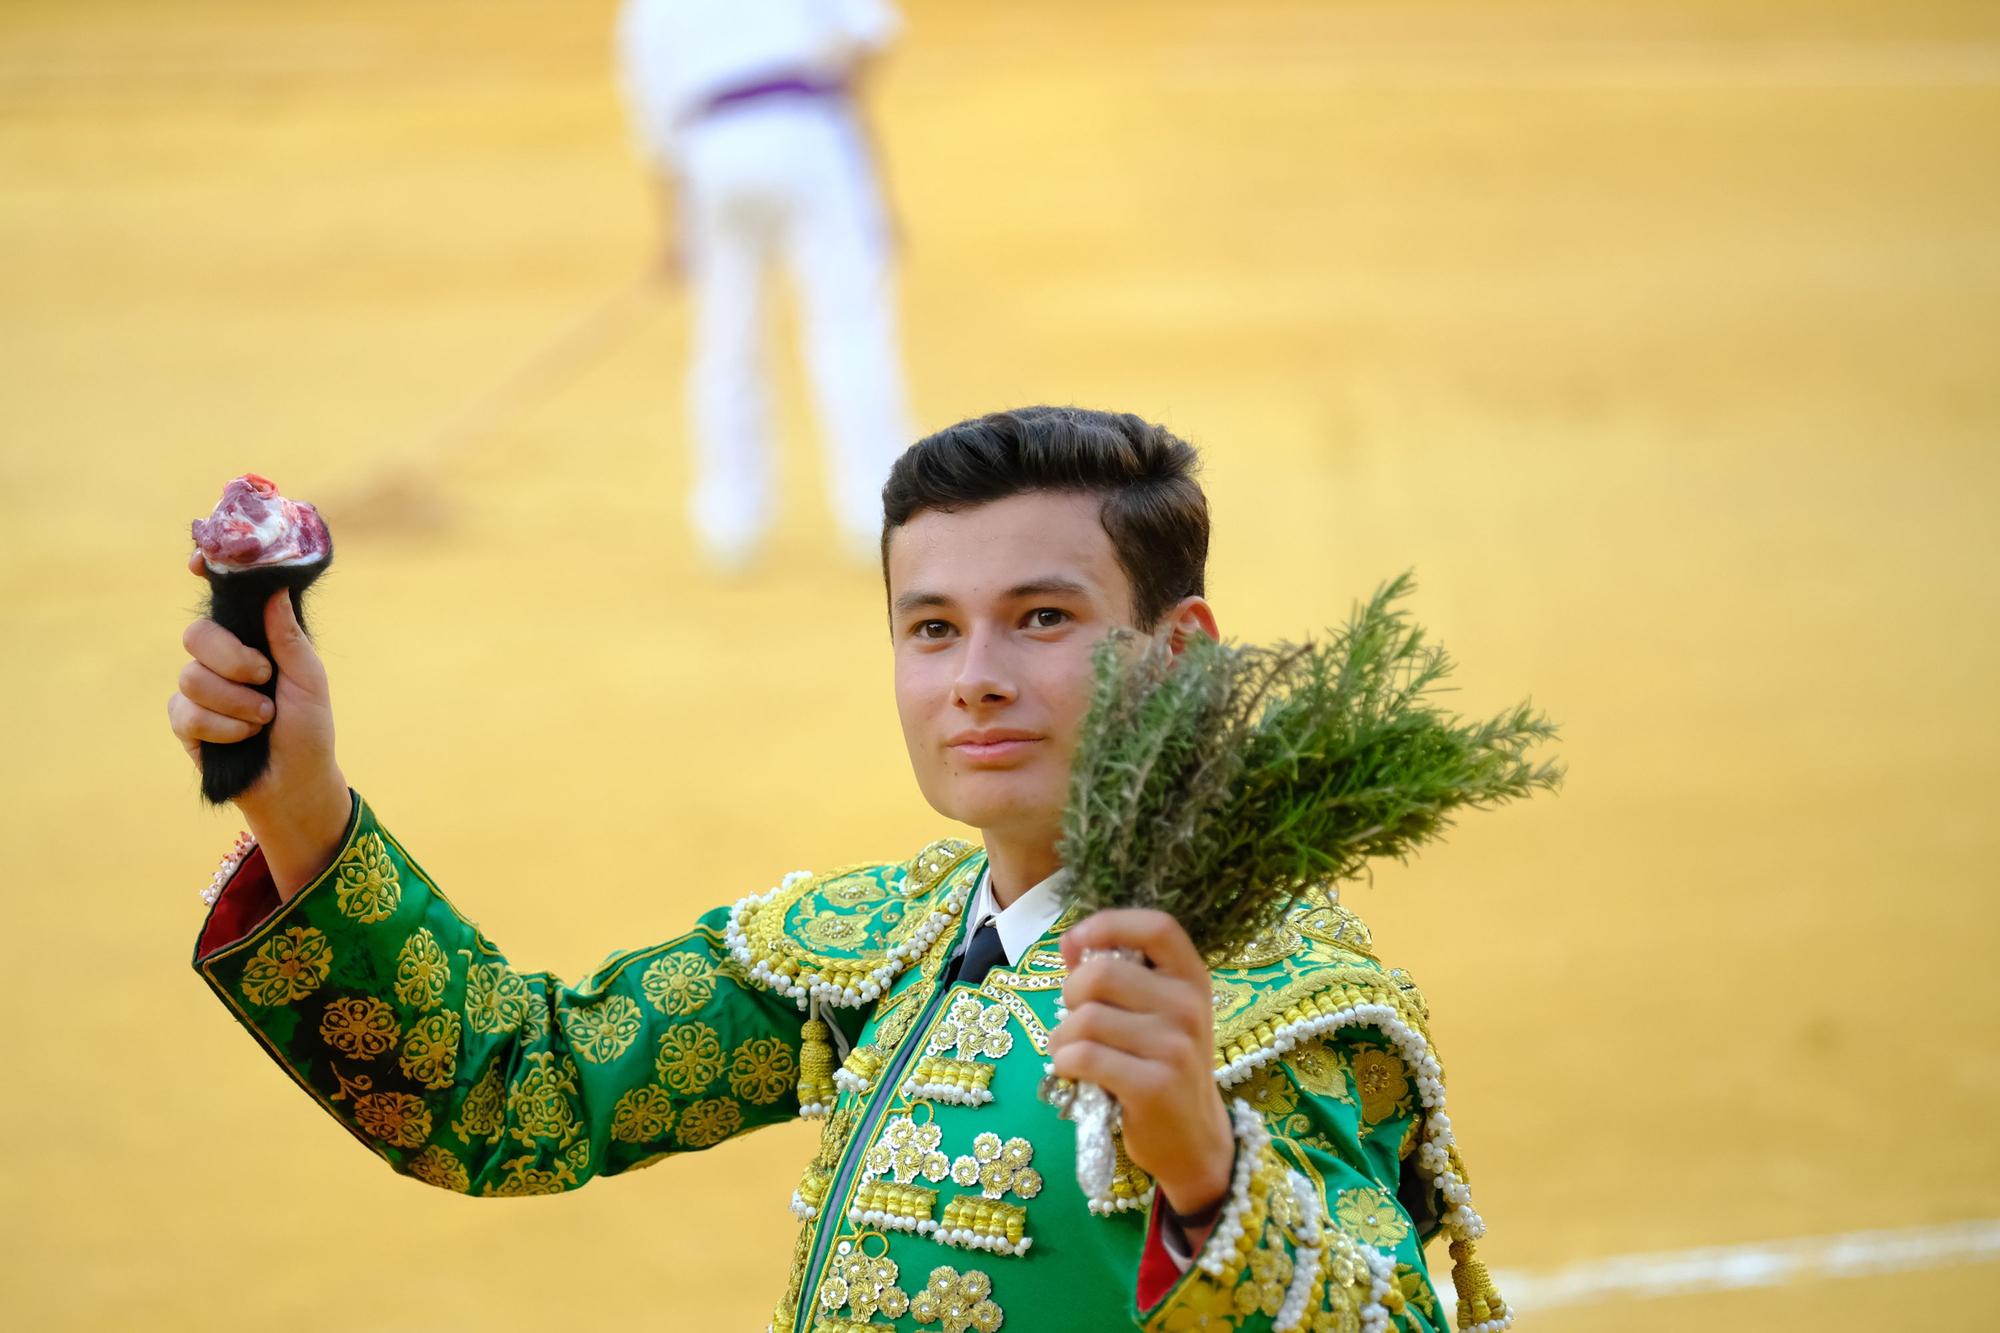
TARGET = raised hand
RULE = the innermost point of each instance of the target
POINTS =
(298, 809)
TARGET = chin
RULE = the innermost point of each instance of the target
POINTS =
(999, 800)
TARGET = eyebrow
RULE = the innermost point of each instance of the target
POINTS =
(1041, 587)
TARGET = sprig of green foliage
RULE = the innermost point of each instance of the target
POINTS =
(1220, 783)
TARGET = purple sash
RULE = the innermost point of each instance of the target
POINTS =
(786, 86)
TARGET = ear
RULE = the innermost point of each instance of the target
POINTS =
(1191, 615)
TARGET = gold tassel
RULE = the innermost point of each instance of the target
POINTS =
(1478, 1302)
(816, 1065)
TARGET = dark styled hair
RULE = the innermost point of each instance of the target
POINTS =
(1151, 506)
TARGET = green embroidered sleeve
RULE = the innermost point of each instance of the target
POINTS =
(1314, 1235)
(1346, 1159)
(410, 1028)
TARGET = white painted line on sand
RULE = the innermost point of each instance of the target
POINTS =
(1730, 1267)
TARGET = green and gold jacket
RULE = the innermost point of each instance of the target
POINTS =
(944, 1192)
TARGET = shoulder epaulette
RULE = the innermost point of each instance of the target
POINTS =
(1308, 979)
(842, 938)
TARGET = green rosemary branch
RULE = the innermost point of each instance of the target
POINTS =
(1220, 784)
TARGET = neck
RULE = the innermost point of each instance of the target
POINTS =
(1016, 865)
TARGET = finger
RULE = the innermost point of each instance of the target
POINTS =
(1155, 934)
(210, 691)
(1137, 1034)
(290, 648)
(197, 566)
(225, 654)
(1125, 1076)
(1134, 987)
(193, 723)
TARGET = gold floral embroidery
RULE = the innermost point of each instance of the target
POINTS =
(362, 1028)
(396, 1118)
(906, 1150)
(1370, 1215)
(998, 1167)
(1282, 1211)
(1342, 1318)
(1263, 1287)
(603, 1031)
(679, 984)
(1385, 1087)
(864, 1283)
(831, 930)
(795, 1281)
(898, 1014)
(709, 1121)
(535, 1027)
(762, 1070)
(1274, 944)
(1203, 1307)
(540, 1101)
(833, 1136)
(1409, 1143)
(484, 1109)
(1270, 1092)
(971, 1030)
(430, 1052)
(435, 1166)
(421, 971)
(524, 1178)
(690, 1058)
(1298, 1127)
(1320, 1070)
(958, 1301)
(496, 998)
(855, 890)
(289, 967)
(642, 1115)
(368, 887)
(1416, 1289)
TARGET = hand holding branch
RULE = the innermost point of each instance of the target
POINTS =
(1146, 1034)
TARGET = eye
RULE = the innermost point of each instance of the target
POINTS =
(1048, 617)
(931, 629)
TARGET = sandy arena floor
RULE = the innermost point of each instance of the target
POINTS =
(1660, 338)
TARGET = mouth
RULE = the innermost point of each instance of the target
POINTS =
(991, 747)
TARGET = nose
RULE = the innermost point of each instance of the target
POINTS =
(983, 680)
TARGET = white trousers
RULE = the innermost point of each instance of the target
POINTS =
(788, 178)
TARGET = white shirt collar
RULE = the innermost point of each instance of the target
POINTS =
(1022, 921)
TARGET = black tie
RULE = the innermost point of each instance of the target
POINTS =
(979, 956)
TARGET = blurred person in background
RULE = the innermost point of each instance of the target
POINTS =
(748, 116)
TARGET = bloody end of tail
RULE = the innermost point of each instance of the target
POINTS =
(254, 544)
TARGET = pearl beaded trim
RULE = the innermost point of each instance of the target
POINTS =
(1252, 1138)
(965, 1239)
(887, 1221)
(859, 987)
(1305, 1259)
(945, 1092)
(1375, 1314)
(1434, 1154)
(1119, 1203)
(245, 844)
